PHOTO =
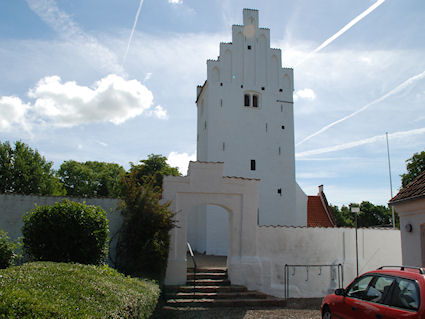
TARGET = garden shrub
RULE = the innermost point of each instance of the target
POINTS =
(6, 250)
(142, 249)
(66, 232)
(47, 290)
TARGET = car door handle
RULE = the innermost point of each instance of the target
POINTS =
(379, 316)
(353, 308)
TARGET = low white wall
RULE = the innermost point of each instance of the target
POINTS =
(13, 207)
(277, 246)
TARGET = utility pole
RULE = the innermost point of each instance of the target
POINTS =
(391, 182)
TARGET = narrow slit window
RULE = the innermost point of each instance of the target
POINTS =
(224, 146)
(280, 150)
(255, 100)
(266, 127)
(246, 99)
(279, 191)
(205, 125)
(252, 165)
(221, 102)
(281, 107)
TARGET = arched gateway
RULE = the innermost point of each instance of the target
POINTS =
(206, 185)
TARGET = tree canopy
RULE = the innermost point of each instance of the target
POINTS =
(143, 241)
(152, 170)
(91, 179)
(370, 215)
(24, 171)
(415, 166)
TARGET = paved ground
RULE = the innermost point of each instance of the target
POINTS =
(235, 313)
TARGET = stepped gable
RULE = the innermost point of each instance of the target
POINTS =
(318, 211)
(415, 190)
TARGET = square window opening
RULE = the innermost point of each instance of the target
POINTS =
(246, 99)
(253, 165)
(255, 100)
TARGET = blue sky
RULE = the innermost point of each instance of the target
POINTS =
(67, 91)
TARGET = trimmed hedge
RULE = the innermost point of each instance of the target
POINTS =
(59, 290)
(66, 232)
(6, 250)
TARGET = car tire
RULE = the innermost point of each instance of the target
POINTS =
(327, 313)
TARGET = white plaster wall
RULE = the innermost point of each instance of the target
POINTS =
(217, 233)
(234, 134)
(197, 229)
(277, 246)
(13, 207)
(205, 185)
(412, 212)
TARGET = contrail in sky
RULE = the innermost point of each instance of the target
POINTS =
(63, 24)
(370, 140)
(397, 89)
(348, 26)
(132, 31)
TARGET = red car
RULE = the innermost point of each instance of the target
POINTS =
(388, 292)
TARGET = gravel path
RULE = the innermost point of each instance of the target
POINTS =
(235, 313)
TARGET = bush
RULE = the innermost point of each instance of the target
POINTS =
(6, 250)
(57, 290)
(142, 248)
(66, 232)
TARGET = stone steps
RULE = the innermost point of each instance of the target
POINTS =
(210, 287)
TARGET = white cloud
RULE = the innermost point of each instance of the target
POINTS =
(181, 160)
(62, 23)
(111, 99)
(175, 1)
(305, 94)
(12, 112)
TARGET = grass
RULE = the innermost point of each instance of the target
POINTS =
(59, 290)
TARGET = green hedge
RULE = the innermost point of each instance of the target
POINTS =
(58, 290)
(66, 232)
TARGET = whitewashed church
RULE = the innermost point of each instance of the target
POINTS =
(245, 120)
(240, 198)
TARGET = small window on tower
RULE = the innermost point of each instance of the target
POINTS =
(246, 99)
(249, 47)
(280, 90)
(252, 165)
(255, 100)
(221, 102)
(283, 127)
(279, 191)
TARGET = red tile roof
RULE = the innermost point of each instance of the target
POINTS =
(318, 211)
(416, 189)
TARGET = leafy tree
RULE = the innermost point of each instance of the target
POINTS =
(142, 248)
(370, 215)
(415, 166)
(25, 171)
(153, 169)
(91, 179)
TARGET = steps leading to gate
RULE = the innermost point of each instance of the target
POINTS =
(211, 287)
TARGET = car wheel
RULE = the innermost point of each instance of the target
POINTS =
(327, 314)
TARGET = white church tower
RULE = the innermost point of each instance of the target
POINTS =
(245, 119)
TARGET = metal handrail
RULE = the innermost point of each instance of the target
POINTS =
(194, 266)
(340, 269)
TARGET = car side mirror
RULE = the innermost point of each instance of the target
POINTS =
(340, 292)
